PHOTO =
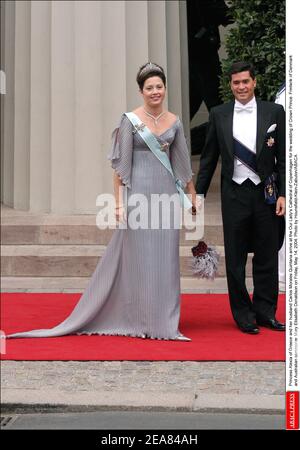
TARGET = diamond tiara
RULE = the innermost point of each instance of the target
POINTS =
(149, 67)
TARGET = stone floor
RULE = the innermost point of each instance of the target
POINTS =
(235, 387)
(265, 378)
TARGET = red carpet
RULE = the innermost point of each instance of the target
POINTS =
(206, 318)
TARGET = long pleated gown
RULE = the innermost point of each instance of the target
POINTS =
(135, 288)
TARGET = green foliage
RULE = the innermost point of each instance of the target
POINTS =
(258, 36)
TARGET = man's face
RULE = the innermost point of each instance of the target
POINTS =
(242, 86)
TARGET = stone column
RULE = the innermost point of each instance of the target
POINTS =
(7, 102)
(63, 107)
(70, 70)
(40, 170)
(22, 111)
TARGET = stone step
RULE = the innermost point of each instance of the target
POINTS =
(48, 229)
(78, 284)
(51, 251)
(86, 235)
(10, 216)
(75, 260)
(26, 228)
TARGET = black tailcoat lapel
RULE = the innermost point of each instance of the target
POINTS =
(227, 125)
(263, 119)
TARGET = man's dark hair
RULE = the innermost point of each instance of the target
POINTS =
(241, 66)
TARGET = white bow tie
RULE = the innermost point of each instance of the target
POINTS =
(239, 108)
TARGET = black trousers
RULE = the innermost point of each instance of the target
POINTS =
(250, 225)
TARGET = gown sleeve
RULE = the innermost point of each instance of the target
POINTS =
(180, 156)
(120, 153)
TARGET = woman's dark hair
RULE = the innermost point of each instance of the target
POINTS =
(241, 66)
(150, 70)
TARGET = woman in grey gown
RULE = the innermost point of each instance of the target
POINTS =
(135, 288)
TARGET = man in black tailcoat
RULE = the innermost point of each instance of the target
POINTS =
(249, 134)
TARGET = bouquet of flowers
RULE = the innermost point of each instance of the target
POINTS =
(205, 260)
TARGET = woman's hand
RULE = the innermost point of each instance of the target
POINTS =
(120, 213)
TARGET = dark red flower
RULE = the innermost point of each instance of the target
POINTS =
(200, 249)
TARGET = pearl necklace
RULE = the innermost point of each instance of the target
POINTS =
(156, 119)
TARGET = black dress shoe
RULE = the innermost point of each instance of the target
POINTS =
(249, 328)
(273, 324)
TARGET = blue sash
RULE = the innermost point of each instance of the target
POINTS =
(248, 158)
(154, 146)
(245, 155)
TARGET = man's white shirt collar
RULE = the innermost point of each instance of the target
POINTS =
(251, 103)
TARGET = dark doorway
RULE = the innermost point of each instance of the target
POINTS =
(203, 20)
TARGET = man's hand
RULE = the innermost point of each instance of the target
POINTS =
(280, 206)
